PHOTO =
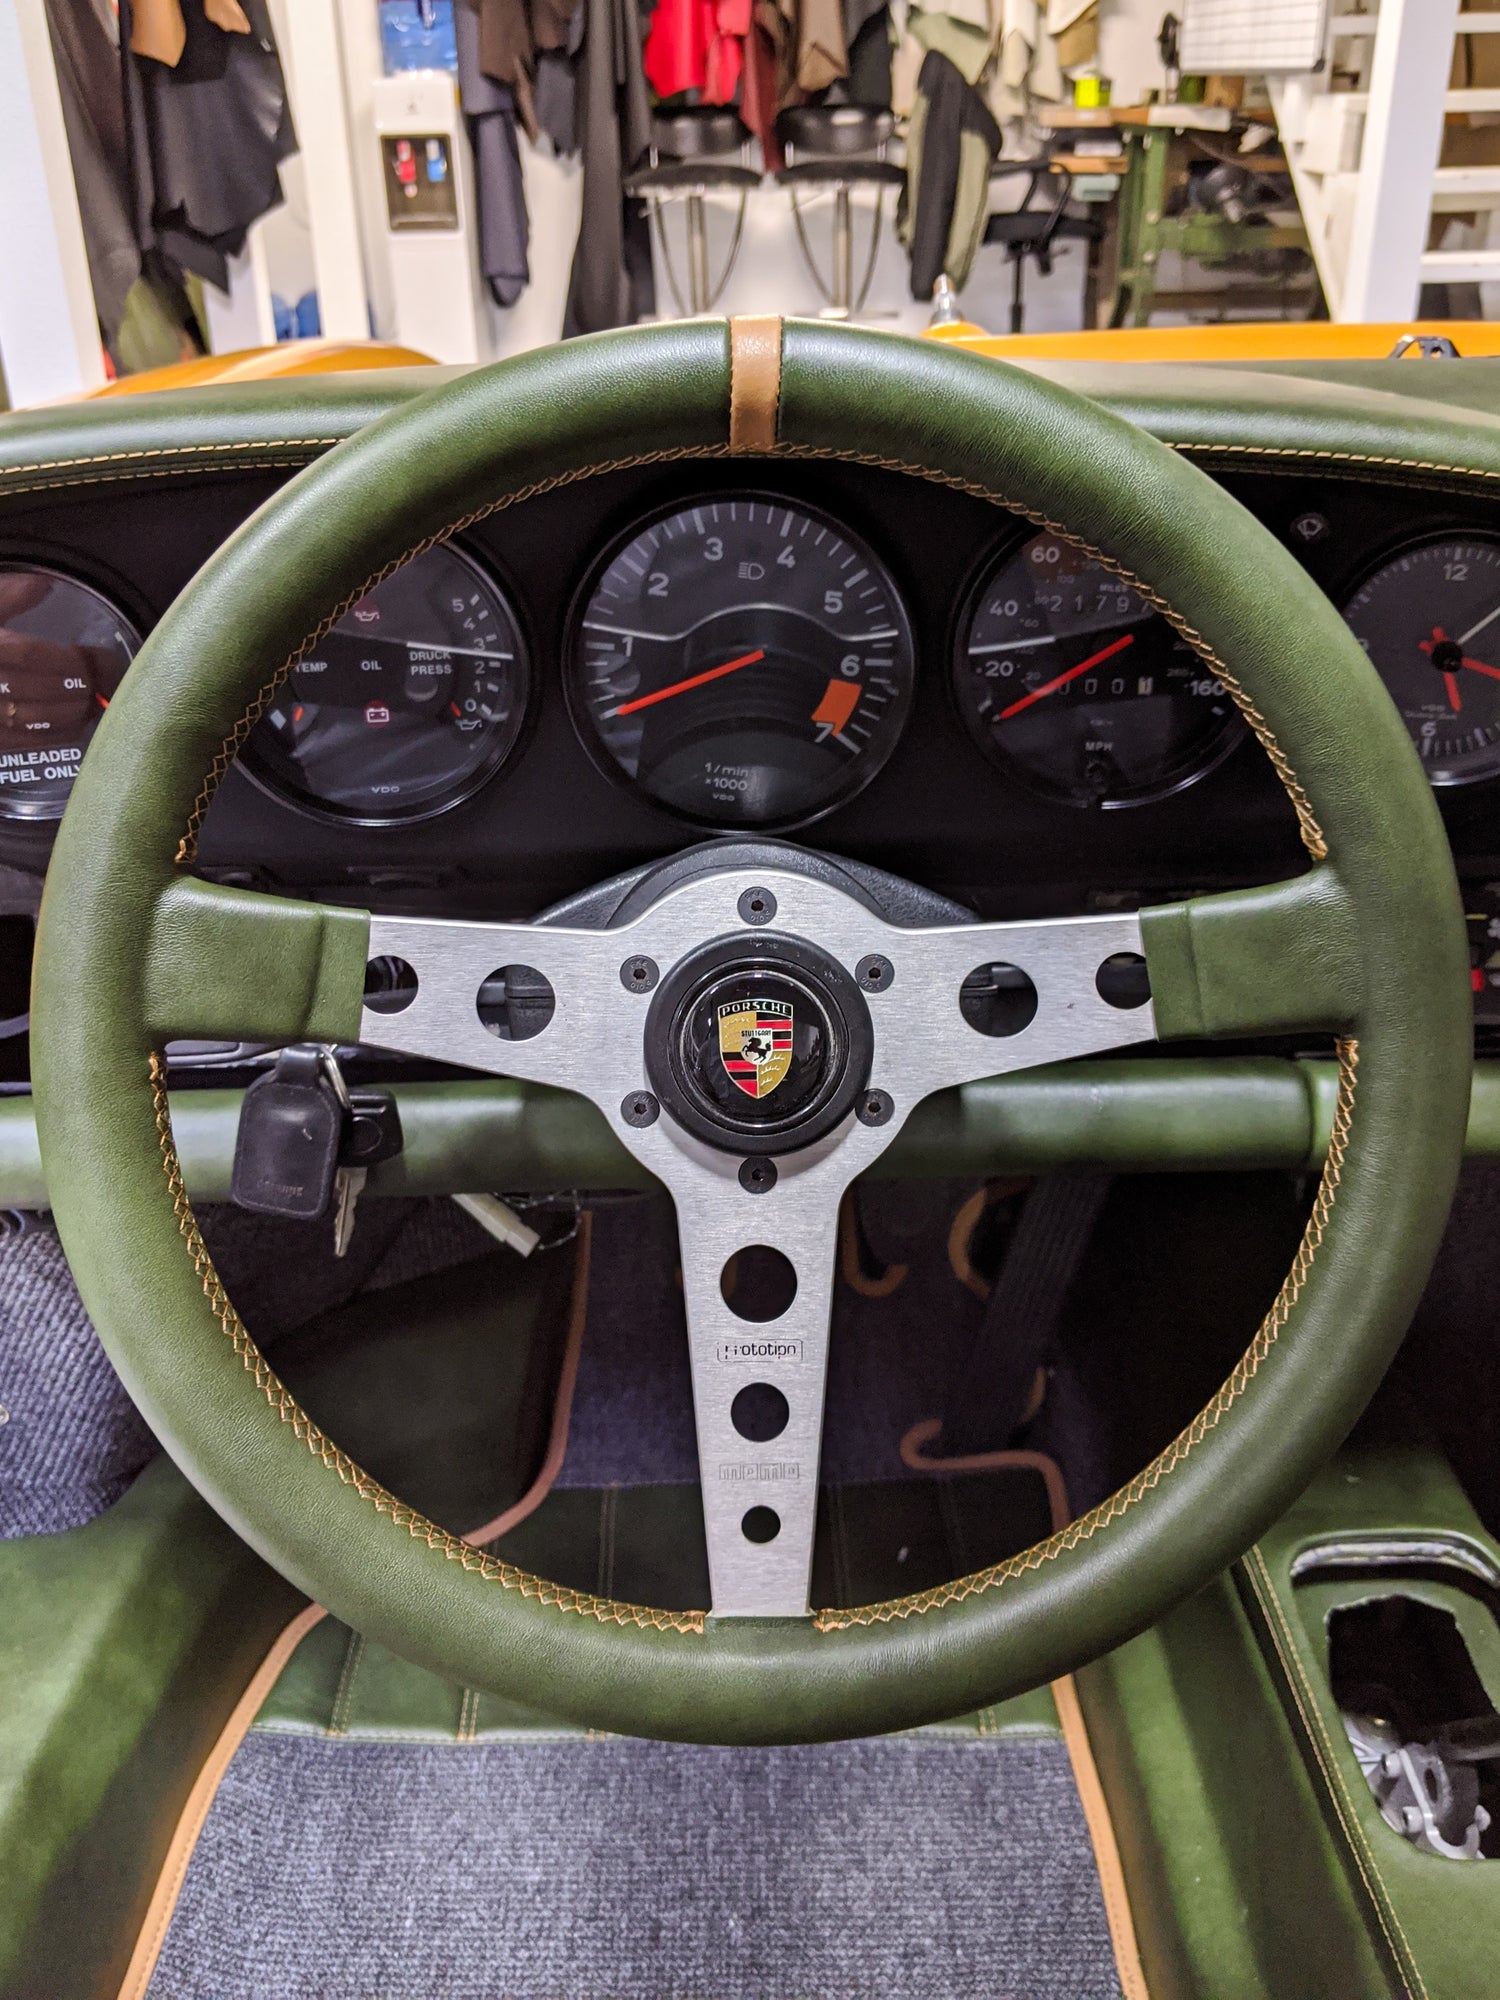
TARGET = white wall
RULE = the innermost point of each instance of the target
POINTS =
(49, 337)
(1127, 45)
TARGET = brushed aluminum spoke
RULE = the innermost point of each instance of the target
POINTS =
(595, 1044)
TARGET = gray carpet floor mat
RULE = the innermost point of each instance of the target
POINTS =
(610, 1869)
(71, 1440)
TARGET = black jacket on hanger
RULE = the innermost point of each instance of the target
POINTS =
(489, 110)
(86, 52)
(206, 138)
(612, 282)
(950, 143)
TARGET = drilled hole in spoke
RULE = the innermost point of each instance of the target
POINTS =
(516, 1002)
(761, 1524)
(390, 985)
(760, 1412)
(1123, 981)
(758, 1283)
(998, 999)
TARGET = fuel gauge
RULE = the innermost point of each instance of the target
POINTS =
(64, 649)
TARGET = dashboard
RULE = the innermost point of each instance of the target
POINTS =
(839, 655)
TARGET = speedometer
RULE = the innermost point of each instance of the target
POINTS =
(412, 701)
(742, 659)
(1067, 678)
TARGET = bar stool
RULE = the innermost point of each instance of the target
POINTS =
(689, 160)
(841, 147)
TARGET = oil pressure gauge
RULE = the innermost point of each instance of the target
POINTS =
(743, 660)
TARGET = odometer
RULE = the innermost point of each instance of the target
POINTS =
(1430, 621)
(743, 660)
(412, 701)
(1070, 681)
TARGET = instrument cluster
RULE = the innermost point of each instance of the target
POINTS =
(738, 658)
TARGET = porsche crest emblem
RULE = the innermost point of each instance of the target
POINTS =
(755, 1044)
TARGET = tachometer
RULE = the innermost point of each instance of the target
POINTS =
(1067, 677)
(63, 651)
(411, 702)
(742, 659)
(1430, 621)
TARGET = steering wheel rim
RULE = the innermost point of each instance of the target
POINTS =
(1371, 943)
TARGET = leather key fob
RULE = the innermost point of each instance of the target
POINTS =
(286, 1152)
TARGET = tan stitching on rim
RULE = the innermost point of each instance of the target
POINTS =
(1088, 1525)
(606, 1610)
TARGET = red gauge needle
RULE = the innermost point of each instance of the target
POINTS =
(1040, 694)
(682, 687)
(1450, 679)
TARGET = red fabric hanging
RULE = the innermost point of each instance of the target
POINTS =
(697, 45)
(759, 100)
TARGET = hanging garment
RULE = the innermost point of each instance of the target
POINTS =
(819, 50)
(611, 282)
(950, 144)
(1074, 28)
(1028, 66)
(958, 29)
(206, 136)
(160, 31)
(556, 89)
(760, 95)
(490, 113)
(86, 53)
(868, 28)
(513, 36)
(697, 45)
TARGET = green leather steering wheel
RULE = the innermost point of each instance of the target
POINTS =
(133, 950)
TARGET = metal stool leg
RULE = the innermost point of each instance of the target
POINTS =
(697, 237)
(843, 254)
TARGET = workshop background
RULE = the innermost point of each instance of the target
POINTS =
(465, 179)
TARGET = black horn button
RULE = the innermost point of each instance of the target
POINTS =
(758, 1047)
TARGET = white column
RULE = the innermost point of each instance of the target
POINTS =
(307, 32)
(49, 330)
(359, 38)
(242, 317)
(1409, 72)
